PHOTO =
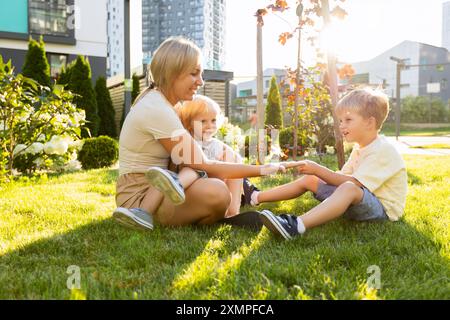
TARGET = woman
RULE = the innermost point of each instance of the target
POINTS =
(152, 133)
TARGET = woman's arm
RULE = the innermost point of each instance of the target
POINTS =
(184, 150)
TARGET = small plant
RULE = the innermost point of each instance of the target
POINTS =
(98, 152)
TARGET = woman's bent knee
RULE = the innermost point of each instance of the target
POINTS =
(217, 194)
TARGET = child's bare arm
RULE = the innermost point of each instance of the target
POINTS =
(327, 175)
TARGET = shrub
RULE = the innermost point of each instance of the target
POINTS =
(136, 90)
(80, 83)
(419, 110)
(39, 126)
(273, 107)
(106, 111)
(36, 65)
(98, 152)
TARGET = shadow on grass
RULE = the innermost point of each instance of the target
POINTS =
(334, 261)
(221, 262)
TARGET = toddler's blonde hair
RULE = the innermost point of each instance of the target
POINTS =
(188, 110)
(367, 102)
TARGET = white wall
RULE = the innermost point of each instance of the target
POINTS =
(382, 67)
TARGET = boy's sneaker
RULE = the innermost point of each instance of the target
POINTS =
(135, 218)
(167, 183)
(284, 225)
(248, 188)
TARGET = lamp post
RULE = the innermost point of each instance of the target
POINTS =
(400, 65)
(127, 91)
(299, 13)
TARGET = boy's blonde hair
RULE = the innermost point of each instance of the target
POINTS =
(173, 57)
(366, 102)
(188, 110)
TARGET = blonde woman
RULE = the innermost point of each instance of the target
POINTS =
(152, 133)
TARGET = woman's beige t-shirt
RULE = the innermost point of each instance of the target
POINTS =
(150, 119)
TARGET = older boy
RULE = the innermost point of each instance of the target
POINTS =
(372, 185)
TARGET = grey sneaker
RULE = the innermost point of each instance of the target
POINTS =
(167, 183)
(135, 218)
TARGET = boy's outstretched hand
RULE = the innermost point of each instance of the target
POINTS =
(307, 167)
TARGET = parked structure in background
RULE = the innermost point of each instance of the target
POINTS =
(424, 64)
(115, 30)
(446, 25)
(202, 21)
(245, 102)
(217, 87)
(69, 28)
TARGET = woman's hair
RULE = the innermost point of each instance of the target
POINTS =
(188, 110)
(367, 102)
(173, 57)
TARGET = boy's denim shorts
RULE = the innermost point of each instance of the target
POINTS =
(370, 208)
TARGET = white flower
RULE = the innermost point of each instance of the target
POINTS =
(77, 144)
(56, 145)
(313, 138)
(79, 116)
(73, 165)
(19, 148)
(41, 137)
(44, 117)
(35, 148)
(38, 162)
(329, 149)
(3, 126)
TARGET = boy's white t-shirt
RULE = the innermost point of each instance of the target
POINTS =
(381, 169)
(151, 118)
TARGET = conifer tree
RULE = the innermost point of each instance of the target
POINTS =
(273, 106)
(106, 112)
(36, 65)
(80, 83)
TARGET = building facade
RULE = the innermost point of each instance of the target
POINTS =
(424, 64)
(202, 21)
(116, 32)
(69, 28)
(446, 25)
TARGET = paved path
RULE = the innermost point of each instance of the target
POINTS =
(404, 144)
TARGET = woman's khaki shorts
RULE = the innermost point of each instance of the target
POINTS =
(134, 191)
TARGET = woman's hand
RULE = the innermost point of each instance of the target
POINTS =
(272, 168)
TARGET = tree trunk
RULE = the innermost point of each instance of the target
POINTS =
(332, 82)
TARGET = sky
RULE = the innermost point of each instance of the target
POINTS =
(370, 28)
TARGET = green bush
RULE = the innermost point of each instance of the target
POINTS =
(36, 65)
(106, 112)
(78, 75)
(419, 110)
(98, 152)
(273, 106)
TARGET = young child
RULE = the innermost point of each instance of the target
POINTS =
(372, 185)
(202, 118)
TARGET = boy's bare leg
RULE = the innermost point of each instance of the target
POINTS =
(235, 187)
(333, 207)
(290, 190)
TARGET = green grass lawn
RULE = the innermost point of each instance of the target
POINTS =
(433, 146)
(49, 224)
(389, 130)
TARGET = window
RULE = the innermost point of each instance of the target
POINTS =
(49, 17)
(57, 62)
